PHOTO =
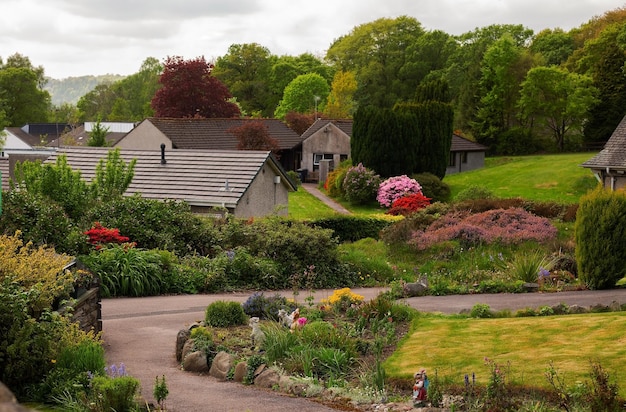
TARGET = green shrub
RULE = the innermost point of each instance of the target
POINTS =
(203, 341)
(481, 310)
(222, 314)
(295, 247)
(154, 224)
(113, 394)
(41, 221)
(263, 307)
(433, 187)
(600, 241)
(474, 192)
(87, 355)
(529, 266)
(126, 271)
(294, 177)
(28, 344)
(368, 259)
(401, 231)
(279, 342)
(324, 335)
(353, 228)
(252, 364)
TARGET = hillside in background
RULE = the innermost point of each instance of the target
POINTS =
(71, 89)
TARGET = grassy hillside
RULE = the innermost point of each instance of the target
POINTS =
(557, 178)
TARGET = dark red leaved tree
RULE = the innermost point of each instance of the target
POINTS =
(254, 135)
(189, 90)
(299, 122)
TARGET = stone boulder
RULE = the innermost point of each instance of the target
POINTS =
(187, 349)
(221, 364)
(181, 338)
(267, 379)
(195, 362)
(241, 369)
(8, 403)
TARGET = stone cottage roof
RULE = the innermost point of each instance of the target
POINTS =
(345, 125)
(613, 155)
(197, 177)
(214, 134)
(461, 144)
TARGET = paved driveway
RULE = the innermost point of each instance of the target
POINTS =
(141, 333)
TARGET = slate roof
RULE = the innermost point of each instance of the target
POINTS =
(461, 144)
(214, 134)
(614, 153)
(345, 125)
(197, 177)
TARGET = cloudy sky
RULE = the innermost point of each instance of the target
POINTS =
(93, 37)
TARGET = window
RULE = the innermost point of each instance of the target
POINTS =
(320, 156)
(464, 157)
(452, 161)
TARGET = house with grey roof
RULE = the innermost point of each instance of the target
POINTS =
(465, 155)
(325, 144)
(245, 183)
(609, 166)
(207, 134)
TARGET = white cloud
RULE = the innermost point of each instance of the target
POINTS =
(80, 37)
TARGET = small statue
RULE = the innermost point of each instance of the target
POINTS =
(284, 318)
(420, 388)
(297, 321)
(257, 335)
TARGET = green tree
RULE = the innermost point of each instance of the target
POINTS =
(556, 99)
(464, 71)
(189, 90)
(98, 103)
(554, 46)
(245, 70)
(21, 99)
(603, 59)
(98, 134)
(340, 103)
(499, 90)
(427, 58)
(300, 95)
(376, 53)
(57, 182)
(113, 176)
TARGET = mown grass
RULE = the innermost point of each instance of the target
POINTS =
(524, 347)
(305, 206)
(550, 178)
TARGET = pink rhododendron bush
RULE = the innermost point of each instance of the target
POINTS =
(396, 187)
(507, 226)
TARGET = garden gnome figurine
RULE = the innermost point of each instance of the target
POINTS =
(419, 388)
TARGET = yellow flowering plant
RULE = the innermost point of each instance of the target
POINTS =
(342, 299)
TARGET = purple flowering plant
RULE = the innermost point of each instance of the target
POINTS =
(395, 188)
(360, 184)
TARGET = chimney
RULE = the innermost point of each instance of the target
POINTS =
(163, 161)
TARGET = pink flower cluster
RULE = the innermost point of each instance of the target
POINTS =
(396, 187)
(508, 226)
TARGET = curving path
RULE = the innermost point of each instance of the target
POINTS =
(141, 333)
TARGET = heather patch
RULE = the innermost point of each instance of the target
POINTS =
(507, 226)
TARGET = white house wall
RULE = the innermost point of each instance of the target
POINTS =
(264, 196)
(334, 141)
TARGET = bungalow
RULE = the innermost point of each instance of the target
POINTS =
(609, 166)
(245, 183)
(324, 141)
(206, 134)
(465, 155)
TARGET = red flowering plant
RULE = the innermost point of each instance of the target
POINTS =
(408, 204)
(100, 235)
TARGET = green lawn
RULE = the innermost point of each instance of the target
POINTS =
(557, 178)
(524, 347)
(305, 206)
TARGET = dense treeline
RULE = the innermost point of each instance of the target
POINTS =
(511, 89)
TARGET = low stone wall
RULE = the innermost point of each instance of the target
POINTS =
(88, 310)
